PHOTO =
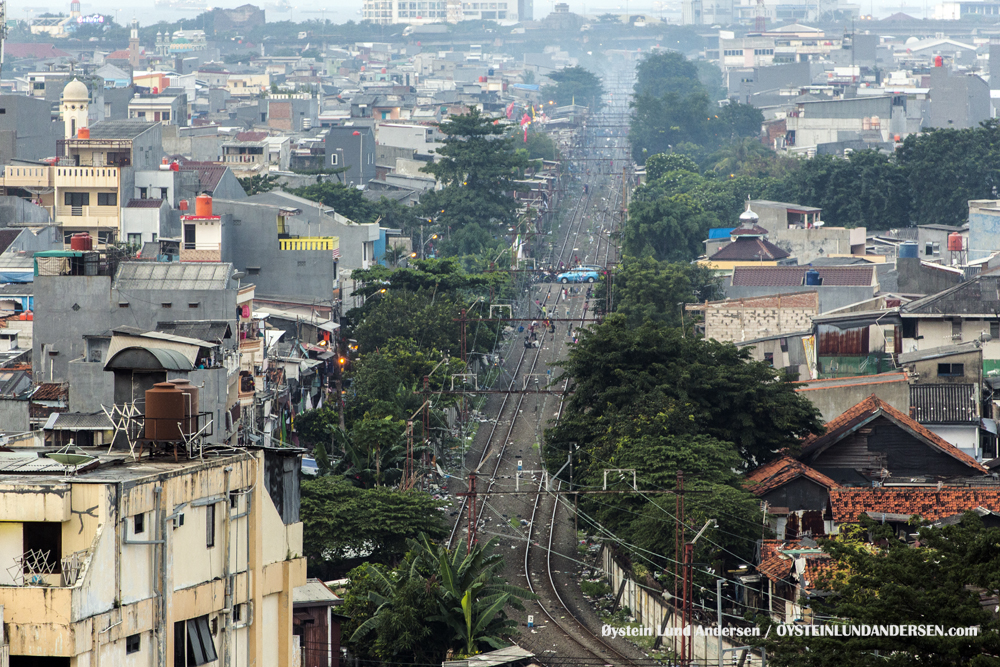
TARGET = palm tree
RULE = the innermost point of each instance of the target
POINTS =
(472, 592)
(394, 254)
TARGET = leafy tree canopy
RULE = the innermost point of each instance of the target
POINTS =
(574, 85)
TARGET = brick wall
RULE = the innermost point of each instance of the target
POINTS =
(739, 320)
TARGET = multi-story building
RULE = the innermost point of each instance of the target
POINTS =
(786, 44)
(166, 109)
(150, 562)
(95, 174)
(389, 12)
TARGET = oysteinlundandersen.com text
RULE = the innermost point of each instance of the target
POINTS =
(799, 631)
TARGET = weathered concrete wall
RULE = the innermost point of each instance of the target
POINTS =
(758, 317)
(13, 415)
(833, 397)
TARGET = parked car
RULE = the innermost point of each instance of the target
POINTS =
(578, 276)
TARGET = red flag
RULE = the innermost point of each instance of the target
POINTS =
(525, 134)
(510, 110)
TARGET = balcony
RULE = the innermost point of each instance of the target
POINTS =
(87, 216)
(86, 177)
(28, 177)
(330, 243)
(201, 252)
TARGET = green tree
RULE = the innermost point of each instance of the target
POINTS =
(253, 185)
(345, 200)
(477, 168)
(669, 228)
(665, 72)
(541, 147)
(574, 85)
(718, 390)
(473, 593)
(647, 290)
(885, 581)
(658, 165)
(342, 523)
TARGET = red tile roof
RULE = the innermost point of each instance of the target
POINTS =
(209, 173)
(37, 51)
(51, 391)
(927, 502)
(790, 276)
(120, 54)
(781, 471)
(749, 249)
(774, 565)
(872, 407)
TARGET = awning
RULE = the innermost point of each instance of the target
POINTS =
(328, 326)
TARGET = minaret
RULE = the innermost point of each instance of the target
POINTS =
(133, 45)
(73, 107)
(74, 9)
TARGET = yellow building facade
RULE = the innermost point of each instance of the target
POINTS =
(153, 562)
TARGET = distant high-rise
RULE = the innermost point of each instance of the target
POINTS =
(443, 11)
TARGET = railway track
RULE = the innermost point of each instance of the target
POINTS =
(574, 641)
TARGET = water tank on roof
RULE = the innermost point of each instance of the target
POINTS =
(190, 423)
(908, 251)
(203, 206)
(183, 205)
(81, 242)
(83, 133)
(955, 242)
(164, 412)
(812, 277)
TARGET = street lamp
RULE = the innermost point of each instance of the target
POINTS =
(361, 156)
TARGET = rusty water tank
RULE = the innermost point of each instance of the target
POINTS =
(203, 206)
(164, 412)
(83, 133)
(190, 404)
(183, 205)
(955, 242)
(81, 242)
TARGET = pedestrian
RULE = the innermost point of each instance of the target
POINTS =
(527, 342)
(576, 259)
(534, 336)
(545, 311)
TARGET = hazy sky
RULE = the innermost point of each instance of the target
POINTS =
(341, 11)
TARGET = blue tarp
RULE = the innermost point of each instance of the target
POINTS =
(17, 276)
(720, 232)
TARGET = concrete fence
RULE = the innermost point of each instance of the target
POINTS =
(652, 609)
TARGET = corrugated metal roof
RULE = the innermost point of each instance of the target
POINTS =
(173, 276)
(119, 129)
(788, 276)
(749, 249)
(78, 421)
(314, 593)
(28, 463)
(720, 232)
(944, 403)
(208, 330)
(145, 203)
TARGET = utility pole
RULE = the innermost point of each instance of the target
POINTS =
(472, 520)
(718, 613)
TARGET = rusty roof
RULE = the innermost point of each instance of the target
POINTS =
(926, 502)
(871, 408)
(780, 471)
(749, 249)
(773, 564)
(51, 391)
(790, 276)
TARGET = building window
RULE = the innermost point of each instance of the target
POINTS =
(143, 193)
(107, 199)
(929, 249)
(135, 239)
(253, 270)
(210, 525)
(995, 330)
(951, 370)
(139, 524)
(909, 328)
(956, 329)
(237, 613)
(163, 193)
(769, 358)
(76, 199)
(166, 305)
(44, 539)
(105, 237)
(132, 644)
(166, 115)
(193, 643)
(194, 304)
(333, 159)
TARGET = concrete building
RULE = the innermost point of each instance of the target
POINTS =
(957, 102)
(141, 561)
(352, 146)
(71, 305)
(867, 119)
(740, 320)
(27, 130)
(96, 172)
(166, 109)
(984, 228)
